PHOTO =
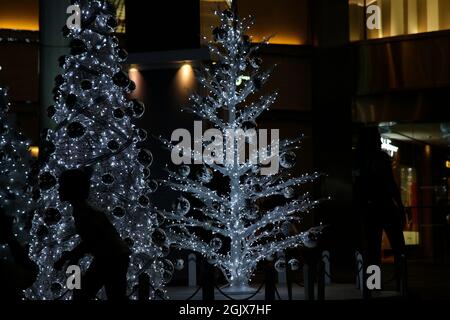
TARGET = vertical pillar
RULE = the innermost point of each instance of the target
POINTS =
(52, 17)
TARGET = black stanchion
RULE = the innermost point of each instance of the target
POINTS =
(321, 281)
(271, 277)
(144, 287)
(208, 282)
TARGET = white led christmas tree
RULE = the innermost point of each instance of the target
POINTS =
(229, 228)
(94, 128)
(15, 199)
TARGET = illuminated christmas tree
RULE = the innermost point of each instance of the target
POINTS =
(15, 199)
(231, 185)
(94, 129)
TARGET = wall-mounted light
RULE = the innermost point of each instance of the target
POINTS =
(447, 164)
(34, 151)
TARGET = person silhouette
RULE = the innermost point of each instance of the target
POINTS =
(378, 199)
(99, 238)
(17, 271)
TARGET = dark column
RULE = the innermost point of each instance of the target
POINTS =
(52, 17)
(331, 109)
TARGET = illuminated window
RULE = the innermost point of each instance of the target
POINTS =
(120, 5)
(399, 17)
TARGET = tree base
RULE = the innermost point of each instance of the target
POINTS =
(238, 289)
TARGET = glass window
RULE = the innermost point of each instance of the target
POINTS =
(373, 19)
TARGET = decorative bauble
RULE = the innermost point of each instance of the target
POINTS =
(75, 130)
(131, 86)
(286, 228)
(310, 240)
(46, 181)
(118, 212)
(113, 145)
(289, 192)
(118, 113)
(48, 148)
(146, 172)
(294, 264)
(77, 47)
(121, 79)
(65, 31)
(179, 264)
(112, 22)
(86, 85)
(165, 250)
(138, 108)
(123, 54)
(215, 244)
(71, 100)
(144, 201)
(159, 237)
(56, 288)
(129, 242)
(219, 34)
(36, 194)
(51, 111)
(280, 265)
(108, 178)
(270, 258)
(248, 125)
(145, 157)
(287, 159)
(182, 206)
(152, 186)
(205, 175)
(52, 216)
(168, 265)
(184, 170)
(42, 232)
(256, 63)
(228, 13)
(62, 61)
(142, 134)
(257, 83)
(59, 80)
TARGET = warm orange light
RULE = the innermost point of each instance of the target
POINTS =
(186, 72)
(19, 25)
(447, 164)
(288, 40)
(34, 151)
(135, 75)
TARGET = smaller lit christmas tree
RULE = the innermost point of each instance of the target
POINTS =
(14, 162)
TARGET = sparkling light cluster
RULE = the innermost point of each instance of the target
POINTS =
(94, 128)
(240, 234)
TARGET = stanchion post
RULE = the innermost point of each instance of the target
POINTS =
(321, 281)
(144, 287)
(270, 282)
(192, 270)
(308, 281)
(208, 281)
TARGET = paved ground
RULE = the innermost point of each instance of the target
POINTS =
(426, 281)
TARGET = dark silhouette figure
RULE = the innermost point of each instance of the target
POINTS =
(378, 199)
(17, 272)
(99, 238)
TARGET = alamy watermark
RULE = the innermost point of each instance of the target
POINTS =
(227, 148)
